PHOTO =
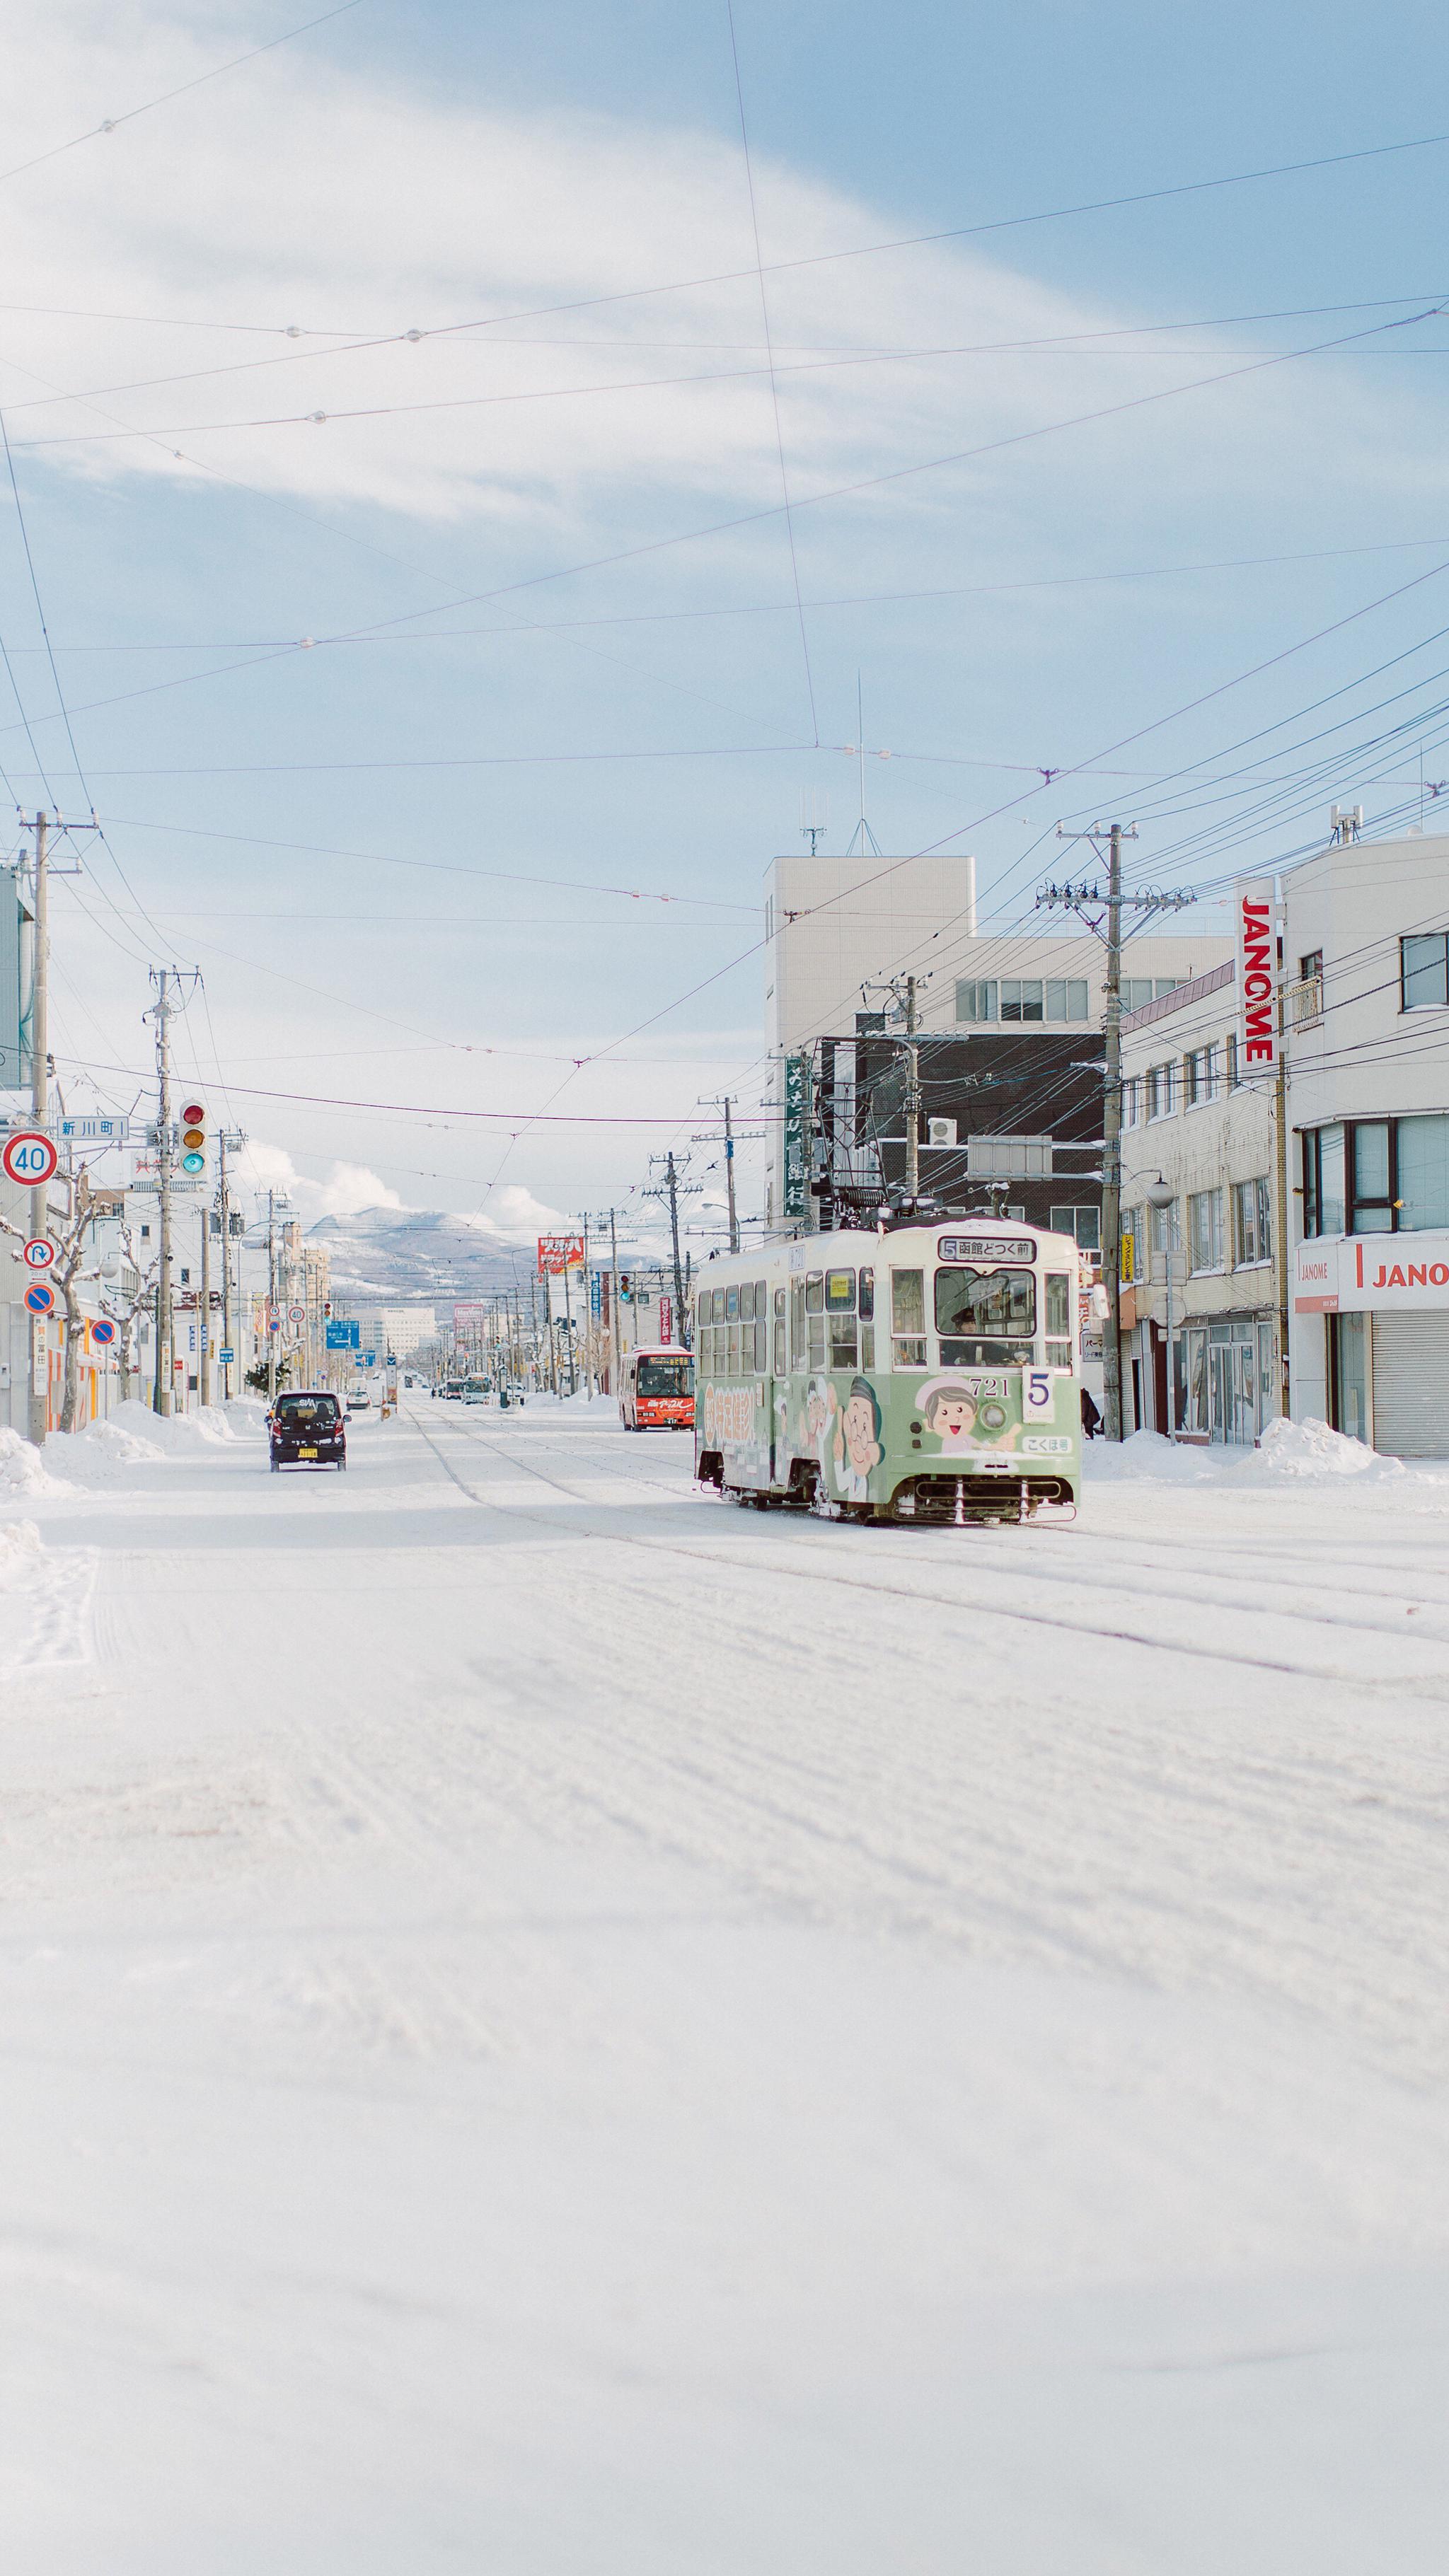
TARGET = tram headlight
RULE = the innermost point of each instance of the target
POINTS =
(992, 1417)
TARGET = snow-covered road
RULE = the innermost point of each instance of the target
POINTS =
(554, 2028)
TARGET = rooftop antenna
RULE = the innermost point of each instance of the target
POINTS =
(862, 833)
(814, 815)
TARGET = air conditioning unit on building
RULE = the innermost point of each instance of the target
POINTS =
(940, 1131)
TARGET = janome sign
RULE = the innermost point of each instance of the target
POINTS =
(1371, 1274)
(1258, 975)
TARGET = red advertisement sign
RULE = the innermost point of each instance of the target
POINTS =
(1258, 975)
(559, 1252)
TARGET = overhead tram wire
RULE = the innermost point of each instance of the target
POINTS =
(817, 358)
(111, 124)
(1253, 365)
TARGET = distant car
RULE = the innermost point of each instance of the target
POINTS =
(307, 1430)
(359, 1404)
(475, 1395)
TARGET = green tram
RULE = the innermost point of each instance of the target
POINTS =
(925, 1374)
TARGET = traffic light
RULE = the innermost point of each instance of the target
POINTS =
(193, 1137)
(625, 1291)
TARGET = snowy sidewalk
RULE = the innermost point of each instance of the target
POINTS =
(555, 2027)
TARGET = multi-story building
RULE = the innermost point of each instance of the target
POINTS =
(1023, 1008)
(1366, 962)
(1201, 1326)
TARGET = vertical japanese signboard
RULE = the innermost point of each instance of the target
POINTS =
(1257, 976)
(797, 1097)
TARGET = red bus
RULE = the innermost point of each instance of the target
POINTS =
(656, 1390)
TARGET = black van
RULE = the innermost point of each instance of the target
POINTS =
(308, 1430)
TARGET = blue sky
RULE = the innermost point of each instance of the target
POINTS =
(398, 846)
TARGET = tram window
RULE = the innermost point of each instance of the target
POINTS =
(840, 1292)
(732, 1305)
(747, 1301)
(780, 1360)
(985, 1317)
(762, 1339)
(908, 1318)
(797, 1323)
(762, 1300)
(1059, 1319)
(867, 1295)
(779, 1301)
(814, 1292)
(842, 1342)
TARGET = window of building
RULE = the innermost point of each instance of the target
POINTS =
(1399, 1172)
(1161, 1091)
(1164, 1227)
(1009, 1158)
(976, 1002)
(1424, 971)
(1132, 1101)
(1205, 1229)
(1136, 992)
(1083, 1223)
(1371, 1209)
(1021, 1000)
(1422, 1175)
(1066, 999)
(1232, 1068)
(1253, 1221)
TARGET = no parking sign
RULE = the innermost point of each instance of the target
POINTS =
(40, 1297)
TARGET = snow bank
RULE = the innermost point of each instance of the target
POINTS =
(1310, 1450)
(1147, 1454)
(104, 1451)
(1289, 1453)
(23, 1470)
(177, 1431)
(19, 1547)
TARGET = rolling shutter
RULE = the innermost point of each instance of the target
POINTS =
(1411, 1385)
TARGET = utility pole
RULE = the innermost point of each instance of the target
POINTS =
(1092, 906)
(727, 1104)
(163, 1392)
(224, 1201)
(614, 1347)
(1280, 1230)
(913, 1097)
(271, 1297)
(204, 1354)
(905, 992)
(39, 1409)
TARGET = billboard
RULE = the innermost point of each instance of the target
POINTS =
(467, 1318)
(559, 1252)
(796, 1174)
(1257, 976)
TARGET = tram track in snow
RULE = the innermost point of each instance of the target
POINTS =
(1422, 1685)
(1005, 1552)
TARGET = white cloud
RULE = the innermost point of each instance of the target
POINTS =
(297, 193)
(514, 1216)
(347, 1191)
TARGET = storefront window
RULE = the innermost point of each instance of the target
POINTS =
(1323, 1209)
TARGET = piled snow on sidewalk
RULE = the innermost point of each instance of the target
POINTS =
(1300, 1453)
(19, 1547)
(23, 1470)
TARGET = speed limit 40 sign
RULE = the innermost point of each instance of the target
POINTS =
(28, 1158)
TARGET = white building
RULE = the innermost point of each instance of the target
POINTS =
(399, 1329)
(1200, 1283)
(1366, 957)
(824, 942)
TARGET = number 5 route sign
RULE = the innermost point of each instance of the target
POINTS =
(29, 1158)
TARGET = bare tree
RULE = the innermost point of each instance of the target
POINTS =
(127, 1311)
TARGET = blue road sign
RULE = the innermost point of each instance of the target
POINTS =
(343, 1334)
(226, 1358)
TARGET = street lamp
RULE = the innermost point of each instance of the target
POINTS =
(1160, 1196)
